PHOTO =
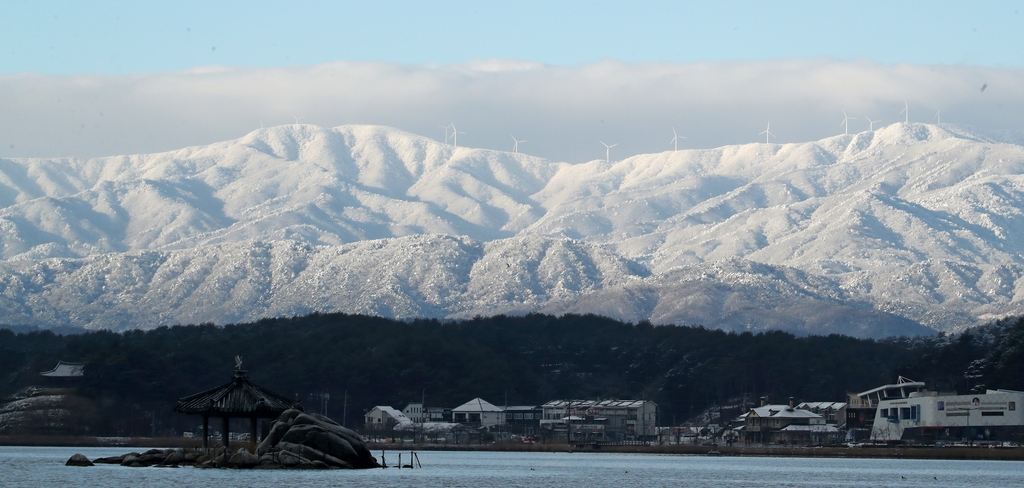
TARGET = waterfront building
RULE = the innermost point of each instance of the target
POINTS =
(604, 420)
(479, 413)
(919, 414)
(784, 424)
(383, 417)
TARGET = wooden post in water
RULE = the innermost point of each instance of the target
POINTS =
(399, 460)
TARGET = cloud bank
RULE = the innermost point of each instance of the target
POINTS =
(562, 112)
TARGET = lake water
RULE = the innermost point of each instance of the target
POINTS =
(44, 466)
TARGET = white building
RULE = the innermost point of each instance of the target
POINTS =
(415, 412)
(601, 419)
(384, 417)
(478, 412)
(920, 414)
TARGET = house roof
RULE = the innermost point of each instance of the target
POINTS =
(477, 405)
(821, 405)
(394, 413)
(781, 411)
(810, 428)
(597, 403)
(65, 370)
(239, 398)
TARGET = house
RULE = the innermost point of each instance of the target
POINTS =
(523, 418)
(478, 412)
(613, 420)
(769, 424)
(834, 413)
(438, 414)
(384, 418)
(415, 412)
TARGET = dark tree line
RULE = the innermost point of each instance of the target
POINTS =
(138, 375)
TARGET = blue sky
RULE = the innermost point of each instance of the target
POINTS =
(117, 37)
(103, 78)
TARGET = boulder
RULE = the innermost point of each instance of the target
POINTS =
(109, 460)
(175, 457)
(243, 459)
(79, 460)
(129, 459)
(277, 431)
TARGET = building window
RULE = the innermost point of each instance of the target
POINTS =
(474, 418)
(529, 416)
(519, 416)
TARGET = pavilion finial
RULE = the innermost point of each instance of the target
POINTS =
(238, 363)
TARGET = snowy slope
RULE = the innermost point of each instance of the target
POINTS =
(868, 233)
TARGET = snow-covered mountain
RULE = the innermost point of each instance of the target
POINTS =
(868, 234)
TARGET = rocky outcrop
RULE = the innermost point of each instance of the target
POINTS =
(296, 440)
(299, 439)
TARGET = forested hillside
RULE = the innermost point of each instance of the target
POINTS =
(135, 375)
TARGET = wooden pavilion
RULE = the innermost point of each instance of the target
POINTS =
(238, 399)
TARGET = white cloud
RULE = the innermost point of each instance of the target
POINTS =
(562, 111)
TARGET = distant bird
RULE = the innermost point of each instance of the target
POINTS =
(984, 86)
(508, 265)
(904, 477)
(934, 478)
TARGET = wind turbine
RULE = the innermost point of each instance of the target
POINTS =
(455, 135)
(767, 132)
(846, 122)
(938, 116)
(297, 119)
(906, 108)
(446, 136)
(515, 146)
(872, 123)
(607, 151)
(675, 140)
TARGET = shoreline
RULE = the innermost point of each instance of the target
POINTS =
(870, 452)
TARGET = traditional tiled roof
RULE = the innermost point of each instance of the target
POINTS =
(239, 398)
(65, 370)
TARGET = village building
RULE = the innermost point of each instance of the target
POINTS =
(600, 420)
(385, 418)
(784, 424)
(478, 413)
(523, 419)
(916, 414)
(415, 412)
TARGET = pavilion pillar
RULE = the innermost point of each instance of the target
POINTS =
(206, 432)
(226, 434)
(252, 430)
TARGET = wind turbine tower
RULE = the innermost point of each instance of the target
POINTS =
(906, 110)
(846, 122)
(767, 133)
(515, 146)
(446, 136)
(675, 140)
(455, 135)
(607, 151)
(297, 119)
(938, 116)
(871, 123)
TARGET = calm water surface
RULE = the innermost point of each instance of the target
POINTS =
(44, 466)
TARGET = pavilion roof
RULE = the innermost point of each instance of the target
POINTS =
(239, 398)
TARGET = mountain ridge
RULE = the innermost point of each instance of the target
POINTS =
(915, 223)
